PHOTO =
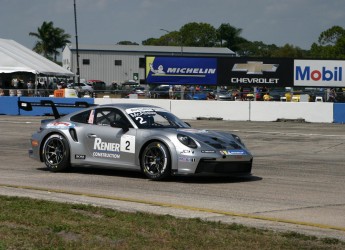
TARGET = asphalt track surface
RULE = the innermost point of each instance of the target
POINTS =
(297, 182)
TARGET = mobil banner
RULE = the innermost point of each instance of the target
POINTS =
(181, 70)
(319, 73)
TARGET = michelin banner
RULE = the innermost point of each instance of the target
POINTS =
(181, 70)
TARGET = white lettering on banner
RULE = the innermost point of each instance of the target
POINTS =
(190, 71)
(106, 146)
(255, 80)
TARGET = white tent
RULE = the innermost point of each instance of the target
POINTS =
(14, 57)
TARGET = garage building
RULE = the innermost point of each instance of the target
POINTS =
(121, 63)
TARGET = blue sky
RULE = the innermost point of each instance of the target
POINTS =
(297, 22)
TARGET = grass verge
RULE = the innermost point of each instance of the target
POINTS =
(35, 224)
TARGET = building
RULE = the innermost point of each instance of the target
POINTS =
(121, 63)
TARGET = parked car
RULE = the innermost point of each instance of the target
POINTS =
(161, 91)
(225, 95)
(140, 91)
(136, 137)
(97, 85)
(81, 87)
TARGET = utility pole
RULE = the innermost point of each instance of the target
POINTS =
(76, 41)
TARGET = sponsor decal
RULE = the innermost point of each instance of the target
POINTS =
(106, 149)
(99, 145)
(106, 155)
(80, 157)
(138, 112)
(254, 80)
(113, 149)
(60, 125)
(233, 152)
(91, 117)
(186, 159)
(181, 70)
(319, 73)
(187, 152)
(208, 151)
(255, 68)
(251, 72)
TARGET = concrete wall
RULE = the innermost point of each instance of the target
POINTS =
(190, 109)
(241, 111)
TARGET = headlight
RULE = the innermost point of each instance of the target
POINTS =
(187, 141)
(238, 139)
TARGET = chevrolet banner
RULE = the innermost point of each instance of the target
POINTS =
(269, 72)
(181, 70)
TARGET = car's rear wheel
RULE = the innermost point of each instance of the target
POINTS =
(56, 153)
(155, 161)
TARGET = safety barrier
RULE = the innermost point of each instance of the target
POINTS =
(320, 112)
(339, 113)
(9, 105)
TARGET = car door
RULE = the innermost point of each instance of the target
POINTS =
(107, 145)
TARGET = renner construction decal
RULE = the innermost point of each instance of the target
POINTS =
(181, 70)
(319, 73)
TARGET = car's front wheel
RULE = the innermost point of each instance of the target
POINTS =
(155, 161)
(56, 153)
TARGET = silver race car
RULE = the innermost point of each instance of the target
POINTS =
(136, 137)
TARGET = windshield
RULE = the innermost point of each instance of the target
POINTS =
(154, 118)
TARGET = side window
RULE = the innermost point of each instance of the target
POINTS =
(106, 116)
(82, 117)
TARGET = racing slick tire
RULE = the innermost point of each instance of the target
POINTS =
(56, 153)
(155, 161)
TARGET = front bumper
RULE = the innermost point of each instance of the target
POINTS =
(224, 167)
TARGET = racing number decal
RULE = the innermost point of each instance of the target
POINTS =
(127, 144)
(140, 119)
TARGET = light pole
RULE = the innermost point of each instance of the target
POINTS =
(181, 44)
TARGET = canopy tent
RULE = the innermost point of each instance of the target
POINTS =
(14, 57)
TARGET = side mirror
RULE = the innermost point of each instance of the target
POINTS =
(120, 124)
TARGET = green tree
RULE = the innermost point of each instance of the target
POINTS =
(127, 43)
(59, 40)
(150, 41)
(172, 38)
(288, 50)
(257, 49)
(230, 37)
(331, 44)
(198, 35)
(43, 33)
(50, 39)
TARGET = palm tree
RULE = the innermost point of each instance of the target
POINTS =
(49, 40)
(59, 40)
(231, 35)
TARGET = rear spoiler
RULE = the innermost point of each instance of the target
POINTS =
(27, 106)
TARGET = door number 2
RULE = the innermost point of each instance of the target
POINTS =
(128, 144)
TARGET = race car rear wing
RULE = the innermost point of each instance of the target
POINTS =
(27, 106)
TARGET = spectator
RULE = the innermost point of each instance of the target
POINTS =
(30, 86)
(171, 92)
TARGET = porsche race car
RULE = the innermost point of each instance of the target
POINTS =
(136, 137)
